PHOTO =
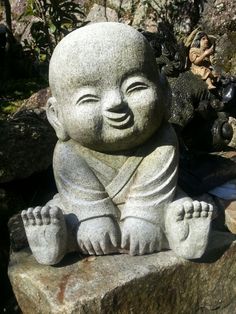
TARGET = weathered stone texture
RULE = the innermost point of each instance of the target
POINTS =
(99, 13)
(219, 18)
(37, 101)
(230, 216)
(157, 283)
(26, 144)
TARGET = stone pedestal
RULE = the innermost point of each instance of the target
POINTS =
(157, 283)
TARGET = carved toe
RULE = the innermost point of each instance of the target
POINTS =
(37, 215)
(24, 217)
(45, 215)
(31, 218)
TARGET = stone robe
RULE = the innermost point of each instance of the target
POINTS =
(202, 69)
(138, 183)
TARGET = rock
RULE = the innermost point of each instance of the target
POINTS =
(157, 283)
(17, 233)
(219, 18)
(225, 57)
(22, 28)
(10, 202)
(99, 13)
(182, 17)
(124, 5)
(230, 216)
(37, 100)
(26, 145)
(18, 8)
(151, 23)
(21, 23)
(139, 15)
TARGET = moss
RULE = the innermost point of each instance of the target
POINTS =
(14, 92)
(11, 107)
(21, 89)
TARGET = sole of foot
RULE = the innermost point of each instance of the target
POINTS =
(46, 233)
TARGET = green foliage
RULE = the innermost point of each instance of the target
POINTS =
(53, 19)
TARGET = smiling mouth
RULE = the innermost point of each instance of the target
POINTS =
(118, 120)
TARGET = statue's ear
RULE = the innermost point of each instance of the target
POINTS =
(55, 119)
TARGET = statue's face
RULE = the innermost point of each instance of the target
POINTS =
(112, 101)
(204, 42)
(106, 115)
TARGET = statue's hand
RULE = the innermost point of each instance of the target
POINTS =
(98, 236)
(140, 236)
(208, 52)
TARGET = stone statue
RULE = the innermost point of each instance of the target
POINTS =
(116, 159)
(200, 56)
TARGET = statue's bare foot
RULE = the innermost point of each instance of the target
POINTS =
(98, 236)
(46, 233)
(188, 227)
(140, 236)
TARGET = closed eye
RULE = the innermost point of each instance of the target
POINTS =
(87, 98)
(136, 86)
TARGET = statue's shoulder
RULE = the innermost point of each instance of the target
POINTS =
(166, 135)
(195, 50)
(161, 150)
(64, 147)
(163, 142)
(66, 151)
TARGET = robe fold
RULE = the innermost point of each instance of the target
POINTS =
(142, 184)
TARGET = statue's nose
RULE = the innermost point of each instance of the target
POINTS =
(113, 101)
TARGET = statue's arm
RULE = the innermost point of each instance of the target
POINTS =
(196, 57)
(80, 190)
(155, 180)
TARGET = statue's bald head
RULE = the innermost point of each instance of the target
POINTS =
(107, 92)
(82, 55)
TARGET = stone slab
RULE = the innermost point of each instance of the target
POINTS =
(156, 283)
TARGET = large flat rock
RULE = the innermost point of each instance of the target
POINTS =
(156, 283)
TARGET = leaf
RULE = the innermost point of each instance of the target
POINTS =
(52, 27)
(42, 57)
(66, 25)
